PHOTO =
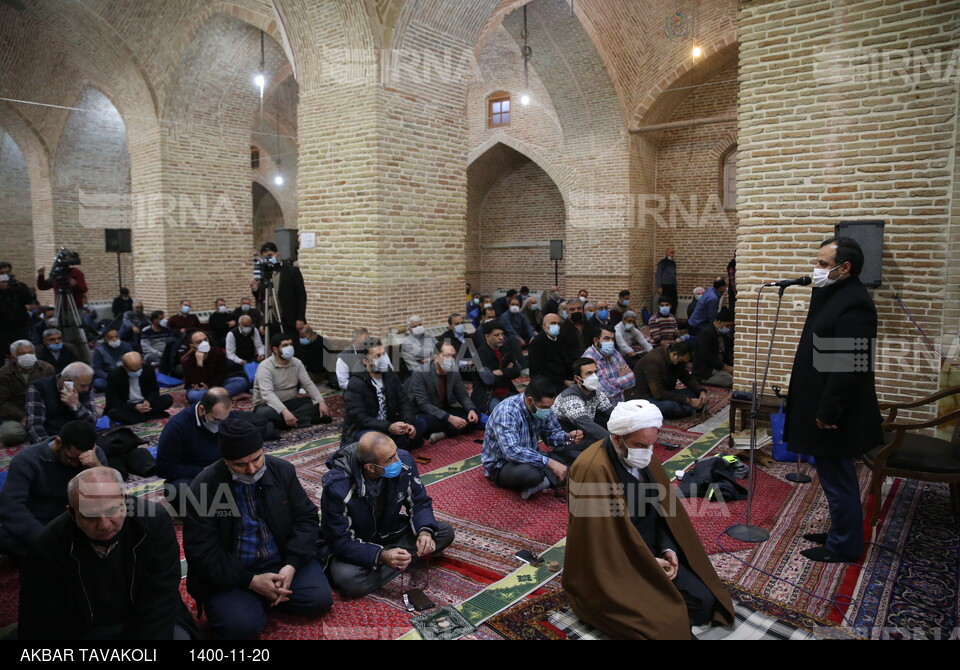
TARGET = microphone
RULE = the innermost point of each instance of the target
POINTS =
(784, 283)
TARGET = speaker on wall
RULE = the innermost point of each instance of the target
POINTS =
(869, 234)
(117, 241)
(287, 243)
(556, 250)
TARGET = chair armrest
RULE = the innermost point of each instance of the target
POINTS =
(903, 426)
(944, 393)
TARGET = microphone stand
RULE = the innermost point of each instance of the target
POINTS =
(747, 532)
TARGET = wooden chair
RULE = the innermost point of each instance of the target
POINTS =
(915, 456)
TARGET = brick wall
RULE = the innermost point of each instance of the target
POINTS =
(15, 229)
(521, 213)
(831, 128)
(91, 190)
(688, 172)
(267, 215)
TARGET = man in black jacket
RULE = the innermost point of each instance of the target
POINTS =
(548, 356)
(713, 353)
(250, 536)
(832, 408)
(290, 291)
(376, 400)
(133, 393)
(497, 369)
(442, 401)
(106, 569)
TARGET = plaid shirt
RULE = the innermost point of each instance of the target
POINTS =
(37, 413)
(614, 373)
(513, 435)
(255, 542)
(663, 328)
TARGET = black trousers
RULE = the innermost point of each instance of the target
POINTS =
(128, 416)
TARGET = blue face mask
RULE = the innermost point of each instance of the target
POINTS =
(185, 309)
(304, 341)
(553, 329)
(607, 348)
(564, 315)
(476, 301)
(603, 314)
(723, 331)
(56, 347)
(135, 374)
(392, 470)
(625, 302)
(458, 329)
(665, 311)
(590, 314)
(245, 308)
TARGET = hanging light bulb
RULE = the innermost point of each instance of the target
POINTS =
(696, 51)
(524, 99)
(278, 180)
(261, 82)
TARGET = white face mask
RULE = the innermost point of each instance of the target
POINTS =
(637, 458)
(204, 347)
(27, 361)
(250, 479)
(448, 364)
(821, 277)
(417, 330)
(381, 364)
(287, 352)
(514, 309)
(221, 308)
(245, 329)
(592, 383)
(113, 343)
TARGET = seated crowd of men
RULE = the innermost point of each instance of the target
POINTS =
(251, 535)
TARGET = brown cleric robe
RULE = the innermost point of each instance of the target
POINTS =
(610, 575)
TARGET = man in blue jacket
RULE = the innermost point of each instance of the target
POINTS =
(376, 515)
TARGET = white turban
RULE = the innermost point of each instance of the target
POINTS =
(633, 415)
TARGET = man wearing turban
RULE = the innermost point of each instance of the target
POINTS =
(634, 566)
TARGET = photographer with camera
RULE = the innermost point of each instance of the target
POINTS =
(71, 287)
(15, 297)
(289, 295)
(64, 270)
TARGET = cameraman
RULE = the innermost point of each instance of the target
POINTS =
(15, 297)
(75, 278)
(290, 290)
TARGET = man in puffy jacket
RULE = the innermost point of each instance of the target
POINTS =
(376, 515)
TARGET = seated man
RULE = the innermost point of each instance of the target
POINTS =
(106, 358)
(376, 400)
(642, 574)
(583, 406)
(312, 353)
(442, 401)
(502, 304)
(276, 387)
(257, 549)
(133, 394)
(511, 455)
(417, 348)
(122, 304)
(22, 370)
(486, 314)
(612, 370)
(602, 317)
(205, 365)
(576, 333)
(55, 351)
(663, 325)
(712, 354)
(183, 322)
(621, 308)
(106, 569)
(243, 343)
(697, 294)
(220, 322)
(657, 376)
(515, 324)
(35, 492)
(376, 515)
(53, 401)
(472, 310)
(154, 338)
(630, 341)
(548, 356)
(188, 442)
(134, 322)
(456, 335)
(496, 370)
(246, 307)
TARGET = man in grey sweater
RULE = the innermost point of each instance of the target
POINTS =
(276, 389)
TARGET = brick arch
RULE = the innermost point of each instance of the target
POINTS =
(560, 174)
(667, 94)
(723, 145)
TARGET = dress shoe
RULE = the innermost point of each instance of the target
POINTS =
(821, 555)
(816, 538)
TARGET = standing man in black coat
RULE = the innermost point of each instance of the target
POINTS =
(832, 408)
(290, 290)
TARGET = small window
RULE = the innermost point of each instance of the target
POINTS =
(254, 158)
(498, 110)
(729, 185)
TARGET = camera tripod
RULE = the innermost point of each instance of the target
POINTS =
(68, 320)
(271, 308)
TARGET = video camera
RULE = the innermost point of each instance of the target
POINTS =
(264, 268)
(61, 264)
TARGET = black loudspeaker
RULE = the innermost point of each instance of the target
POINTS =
(117, 240)
(556, 250)
(287, 243)
(869, 234)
